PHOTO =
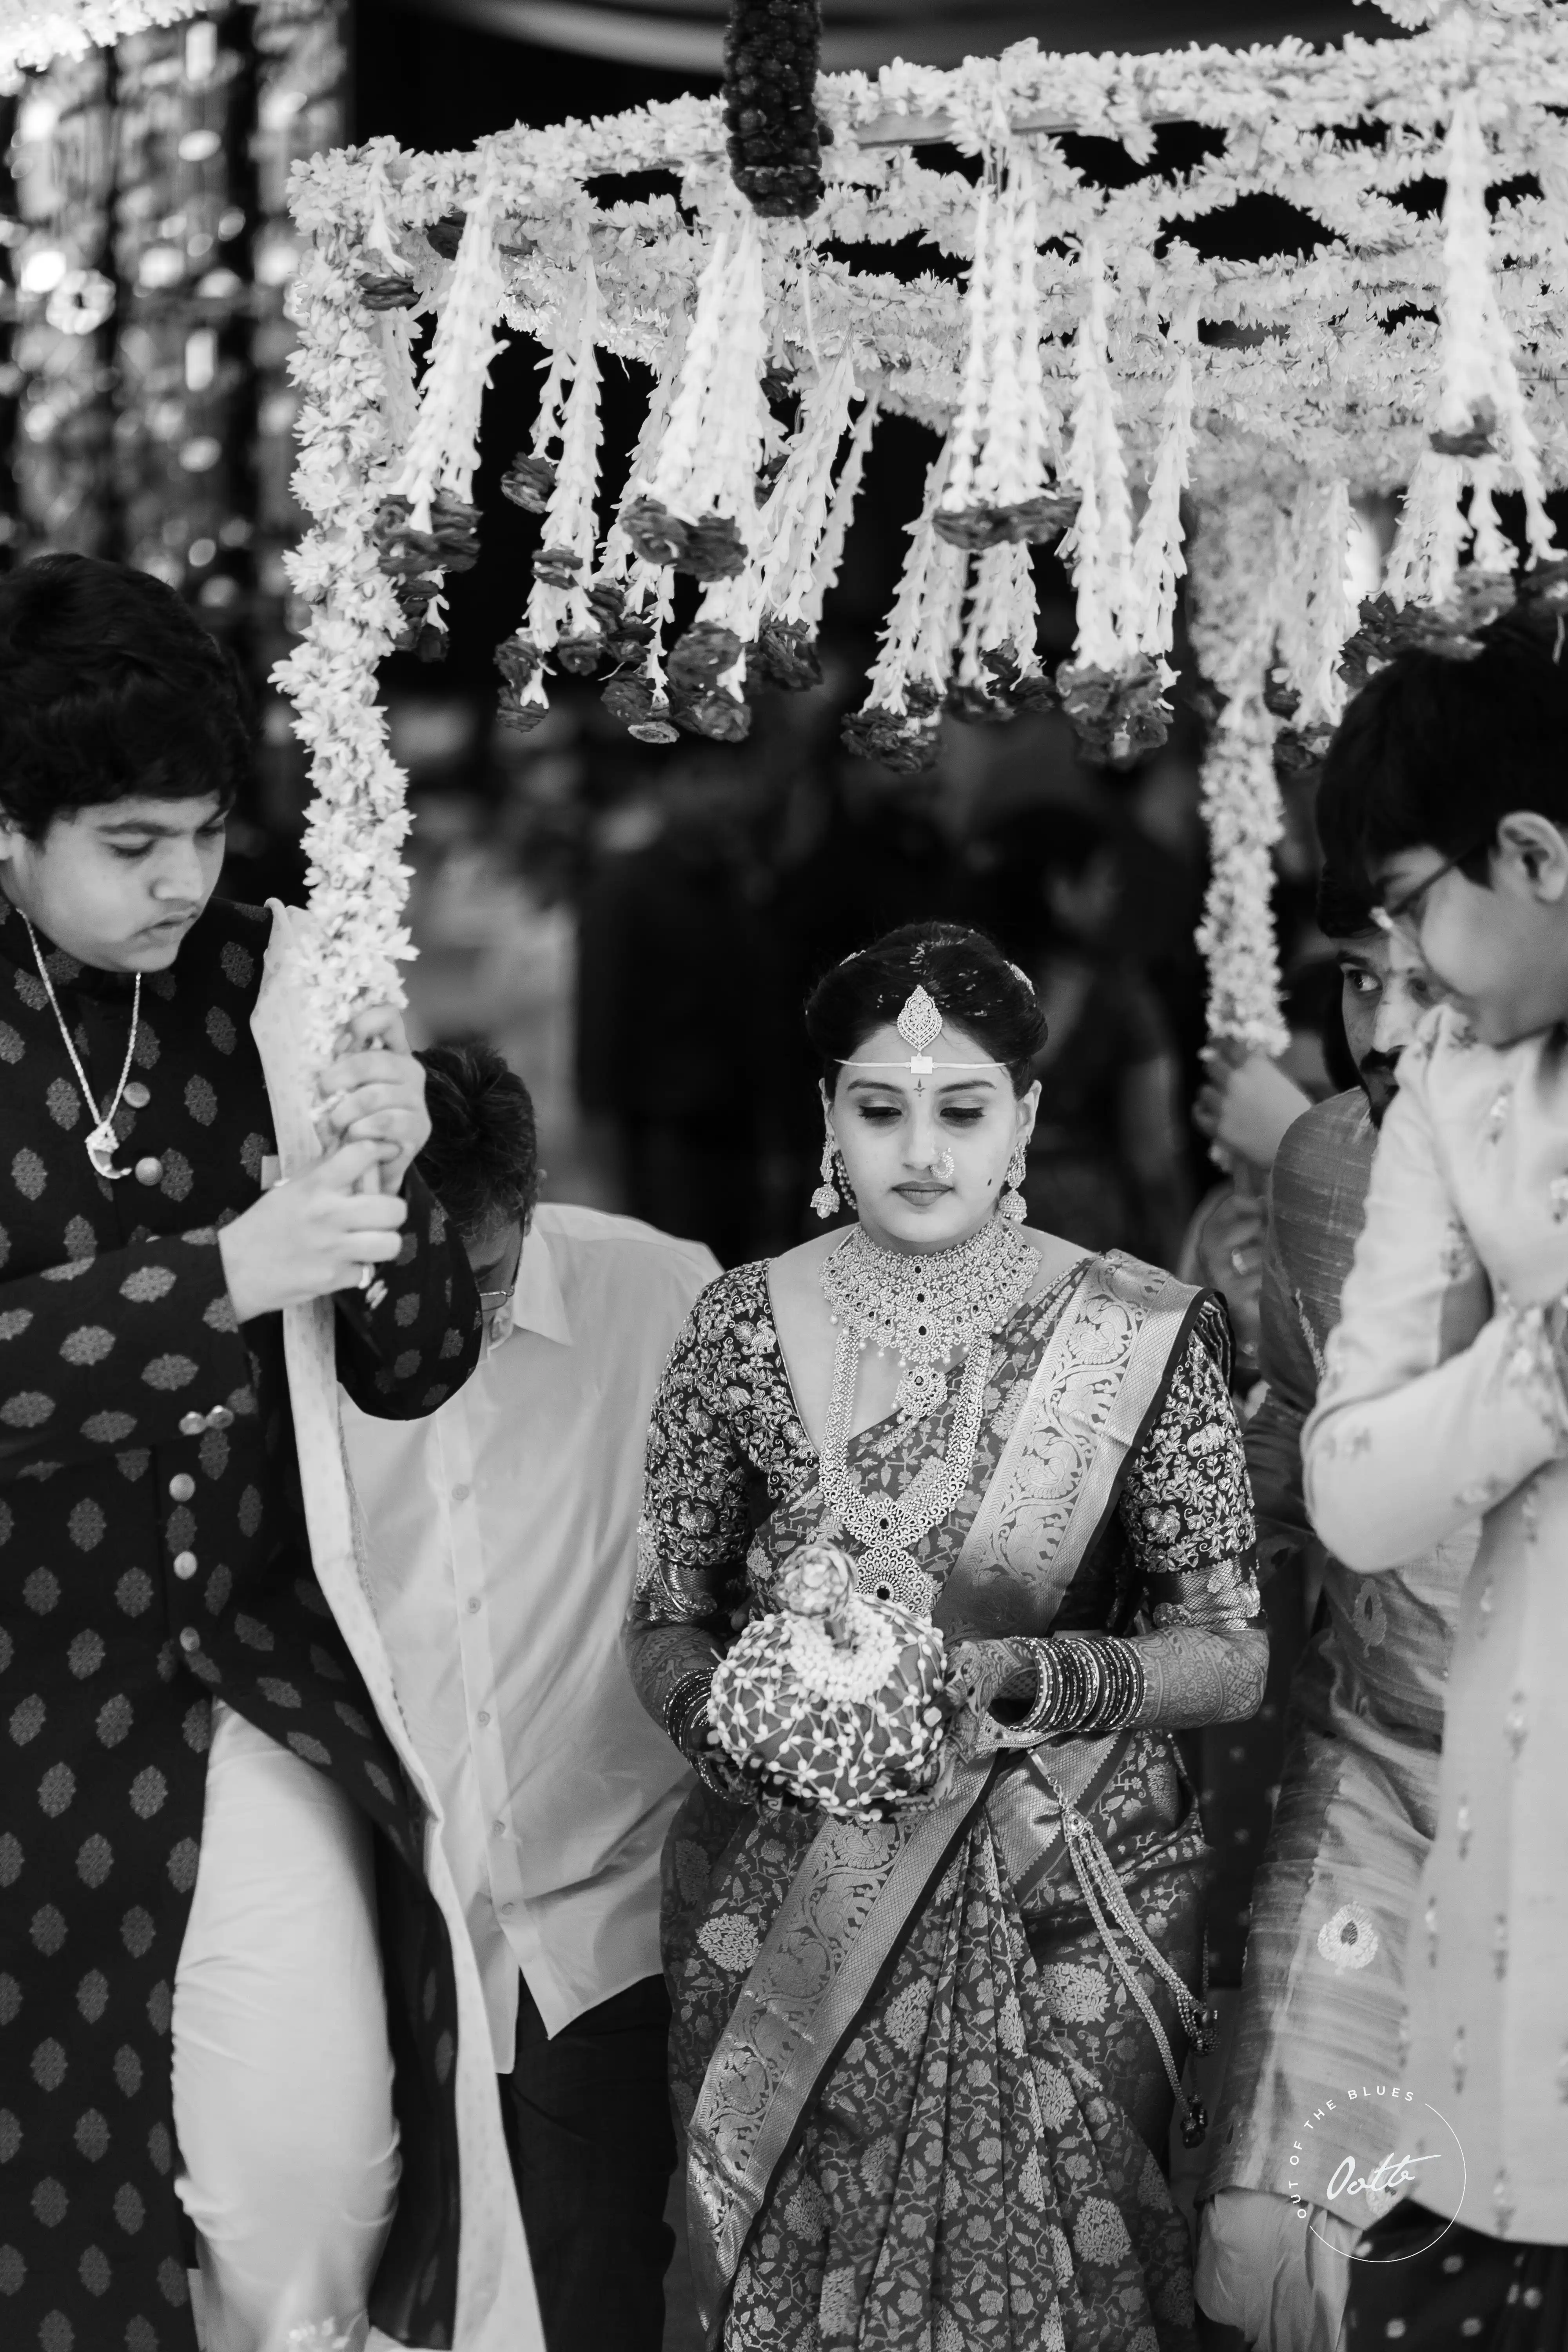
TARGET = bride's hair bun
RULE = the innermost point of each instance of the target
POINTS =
(965, 973)
(110, 686)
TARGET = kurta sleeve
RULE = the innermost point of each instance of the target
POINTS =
(414, 1346)
(120, 1350)
(1436, 1402)
(1188, 1511)
(695, 1526)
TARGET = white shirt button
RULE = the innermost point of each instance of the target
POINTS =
(189, 1638)
(473, 1608)
(192, 1424)
(461, 1493)
(220, 1417)
(506, 1909)
(184, 1564)
(484, 1717)
(182, 1487)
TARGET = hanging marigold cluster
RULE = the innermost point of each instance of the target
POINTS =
(771, 52)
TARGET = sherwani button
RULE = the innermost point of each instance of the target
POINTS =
(192, 1424)
(220, 1417)
(189, 1638)
(182, 1487)
(136, 1094)
(184, 1566)
(148, 1170)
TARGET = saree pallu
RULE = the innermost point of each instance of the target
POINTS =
(977, 2166)
(923, 2104)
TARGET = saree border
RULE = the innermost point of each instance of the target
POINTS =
(1161, 1318)
(780, 2063)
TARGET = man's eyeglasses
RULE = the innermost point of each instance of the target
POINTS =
(1406, 913)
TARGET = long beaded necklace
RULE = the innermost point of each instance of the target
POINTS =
(926, 1307)
(101, 1140)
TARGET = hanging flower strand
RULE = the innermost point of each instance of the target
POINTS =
(1238, 558)
(1480, 406)
(1111, 689)
(426, 526)
(998, 486)
(700, 509)
(898, 723)
(846, 491)
(794, 520)
(560, 618)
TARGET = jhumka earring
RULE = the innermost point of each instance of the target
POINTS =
(826, 1200)
(1012, 1204)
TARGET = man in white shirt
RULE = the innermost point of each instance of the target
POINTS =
(501, 1540)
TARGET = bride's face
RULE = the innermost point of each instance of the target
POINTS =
(927, 1155)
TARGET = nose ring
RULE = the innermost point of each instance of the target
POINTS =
(941, 1168)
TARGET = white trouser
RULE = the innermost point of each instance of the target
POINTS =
(1281, 2280)
(282, 2074)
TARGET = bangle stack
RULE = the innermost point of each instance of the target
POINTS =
(685, 1713)
(1087, 1684)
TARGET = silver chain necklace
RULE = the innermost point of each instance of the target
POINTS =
(102, 1143)
(928, 1308)
(925, 1307)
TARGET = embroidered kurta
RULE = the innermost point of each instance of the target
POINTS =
(1442, 1400)
(1322, 1993)
(975, 2167)
(153, 1555)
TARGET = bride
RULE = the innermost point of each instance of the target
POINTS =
(927, 2065)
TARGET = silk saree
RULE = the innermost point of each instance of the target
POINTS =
(923, 2100)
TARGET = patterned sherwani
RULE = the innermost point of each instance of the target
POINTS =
(1323, 1986)
(154, 1556)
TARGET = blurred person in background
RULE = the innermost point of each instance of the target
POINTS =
(502, 1541)
(1322, 1991)
(1107, 1159)
(670, 988)
(1245, 1107)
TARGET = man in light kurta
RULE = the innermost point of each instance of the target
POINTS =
(1444, 1398)
(1322, 1990)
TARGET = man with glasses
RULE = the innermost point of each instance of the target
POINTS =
(1443, 1399)
(501, 1544)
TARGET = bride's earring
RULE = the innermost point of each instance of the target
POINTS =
(826, 1200)
(1012, 1204)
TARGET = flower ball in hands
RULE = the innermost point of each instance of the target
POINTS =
(834, 1697)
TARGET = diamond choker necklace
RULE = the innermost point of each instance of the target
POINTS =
(926, 1308)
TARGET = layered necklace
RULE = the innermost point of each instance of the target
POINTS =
(924, 1309)
(101, 1140)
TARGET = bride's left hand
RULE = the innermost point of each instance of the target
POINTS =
(979, 1673)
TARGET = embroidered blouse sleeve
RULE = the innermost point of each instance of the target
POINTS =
(1188, 1511)
(1433, 1405)
(695, 1527)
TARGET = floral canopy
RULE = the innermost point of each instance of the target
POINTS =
(1090, 378)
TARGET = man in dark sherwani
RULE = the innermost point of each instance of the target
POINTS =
(223, 1984)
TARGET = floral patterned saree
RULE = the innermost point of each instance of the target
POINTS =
(914, 2058)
